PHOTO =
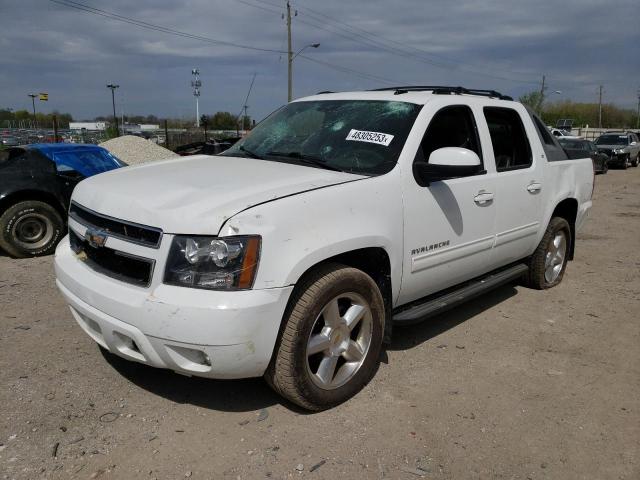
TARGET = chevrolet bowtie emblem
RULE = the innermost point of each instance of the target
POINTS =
(96, 238)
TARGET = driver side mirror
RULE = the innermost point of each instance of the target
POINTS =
(447, 163)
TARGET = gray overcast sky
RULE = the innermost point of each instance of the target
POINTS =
(500, 44)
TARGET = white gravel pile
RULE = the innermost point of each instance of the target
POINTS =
(136, 150)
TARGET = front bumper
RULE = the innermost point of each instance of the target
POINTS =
(204, 333)
(617, 159)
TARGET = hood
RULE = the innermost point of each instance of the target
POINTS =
(196, 195)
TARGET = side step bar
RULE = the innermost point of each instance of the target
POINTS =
(432, 306)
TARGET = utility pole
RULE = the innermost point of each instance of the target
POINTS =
(542, 89)
(600, 107)
(113, 87)
(245, 107)
(33, 103)
(289, 54)
(638, 120)
(55, 129)
(245, 120)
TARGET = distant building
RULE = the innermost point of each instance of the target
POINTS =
(136, 128)
(89, 126)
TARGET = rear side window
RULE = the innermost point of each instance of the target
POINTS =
(545, 135)
(452, 126)
(511, 147)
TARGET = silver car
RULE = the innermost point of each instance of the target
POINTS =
(623, 149)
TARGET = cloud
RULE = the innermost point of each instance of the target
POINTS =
(503, 45)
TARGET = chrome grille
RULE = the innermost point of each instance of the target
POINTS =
(128, 231)
(112, 263)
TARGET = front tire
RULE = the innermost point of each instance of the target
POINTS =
(636, 161)
(30, 228)
(549, 262)
(625, 163)
(330, 343)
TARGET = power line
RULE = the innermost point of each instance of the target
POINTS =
(260, 7)
(246, 99)
(150, 26)
(348, 34)
(340, 68)
(370, 39)
(159, 28)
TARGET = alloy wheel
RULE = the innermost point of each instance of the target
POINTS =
(339, 341)
(554, 258)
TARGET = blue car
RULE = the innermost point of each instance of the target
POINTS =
(36, 182)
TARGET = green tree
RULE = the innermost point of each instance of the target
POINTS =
(532, 100)
(587, 114)
(223, 121)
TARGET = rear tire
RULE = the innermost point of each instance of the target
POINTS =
(636, 161)
(329, 345)
(30, 228)
(549, 262)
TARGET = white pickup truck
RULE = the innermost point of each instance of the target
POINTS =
(293, 254)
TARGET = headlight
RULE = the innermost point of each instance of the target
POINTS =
(214, 263)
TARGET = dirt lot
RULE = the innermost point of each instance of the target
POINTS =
(521, 384)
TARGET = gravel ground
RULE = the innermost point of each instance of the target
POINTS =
(519, 384)
(136, 150)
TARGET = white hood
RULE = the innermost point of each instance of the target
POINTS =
(195, 195)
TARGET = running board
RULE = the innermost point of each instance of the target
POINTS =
(432, 306)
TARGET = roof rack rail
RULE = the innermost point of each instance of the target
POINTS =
(324, 91)
(444, 90)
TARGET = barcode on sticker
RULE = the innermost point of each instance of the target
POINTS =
(370, 137)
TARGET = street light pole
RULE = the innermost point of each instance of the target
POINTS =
(33, 103)
(113, 87)
(291, 58)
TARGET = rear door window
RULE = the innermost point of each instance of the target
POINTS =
(511, 148)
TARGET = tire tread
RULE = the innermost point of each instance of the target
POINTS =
(281, 374)
(535, 277)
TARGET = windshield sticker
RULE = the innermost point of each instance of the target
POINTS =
(369, 137)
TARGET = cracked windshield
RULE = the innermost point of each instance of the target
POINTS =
(355, 136)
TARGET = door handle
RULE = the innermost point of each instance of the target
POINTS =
(534, 187)
(483, 198)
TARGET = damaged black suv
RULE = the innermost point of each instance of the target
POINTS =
(36, 182)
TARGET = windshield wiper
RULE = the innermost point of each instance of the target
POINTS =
(310, 159)
(250, 153)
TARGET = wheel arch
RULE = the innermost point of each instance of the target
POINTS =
(37, 195)
(568, 209)
(375, 262)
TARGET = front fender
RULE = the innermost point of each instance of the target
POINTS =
(302, 230)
